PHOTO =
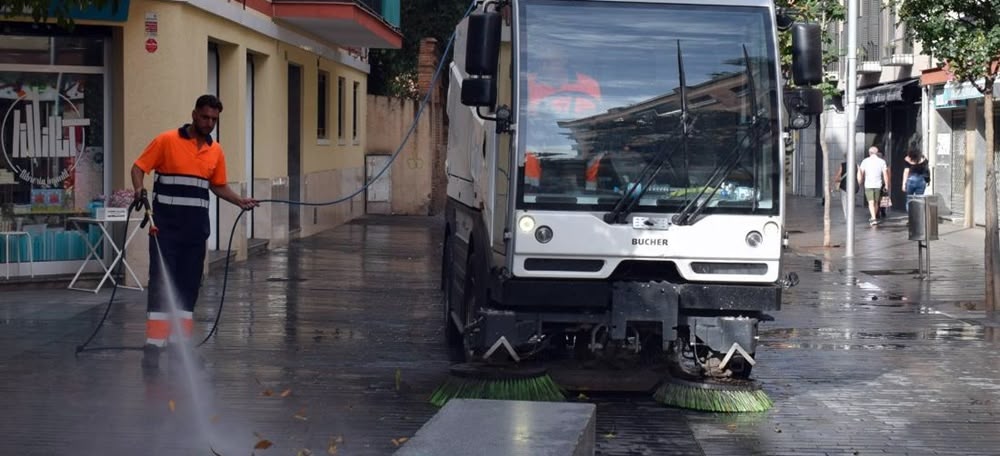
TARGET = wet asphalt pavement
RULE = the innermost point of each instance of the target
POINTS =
(334, 345)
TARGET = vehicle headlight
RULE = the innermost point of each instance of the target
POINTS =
(754, 238)
(526, 223)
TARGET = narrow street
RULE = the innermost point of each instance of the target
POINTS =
(336, 343)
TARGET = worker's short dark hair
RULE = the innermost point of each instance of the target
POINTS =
(208, 100)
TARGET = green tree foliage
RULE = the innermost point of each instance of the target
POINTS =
(964, 35)
(59, 10)
(394, 71)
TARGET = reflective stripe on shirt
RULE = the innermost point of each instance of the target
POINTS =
(181, 201)
(182, 180)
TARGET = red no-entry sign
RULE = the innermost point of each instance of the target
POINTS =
(151, 45)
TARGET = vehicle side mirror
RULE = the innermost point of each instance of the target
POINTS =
(482, 53)
(807, 54)
(482, 49)
(479, 92)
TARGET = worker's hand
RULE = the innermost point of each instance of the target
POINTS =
(248, 203)
(139, 200)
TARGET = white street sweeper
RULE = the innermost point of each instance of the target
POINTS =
(615, 186)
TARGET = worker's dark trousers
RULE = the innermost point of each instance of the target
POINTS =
(174, 288)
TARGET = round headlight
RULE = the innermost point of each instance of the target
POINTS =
(543, 234)
(526, 224)
(754, 238)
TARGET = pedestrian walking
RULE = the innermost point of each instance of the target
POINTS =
(916, 175)
(840, 180)
(874, 172)
(188, 163)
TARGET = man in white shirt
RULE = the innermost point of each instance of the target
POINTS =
(874, 173)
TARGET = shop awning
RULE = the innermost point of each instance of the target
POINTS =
(886, 93)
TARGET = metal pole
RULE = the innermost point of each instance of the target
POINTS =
(852, 115)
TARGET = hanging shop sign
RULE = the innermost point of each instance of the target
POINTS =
(954, 91)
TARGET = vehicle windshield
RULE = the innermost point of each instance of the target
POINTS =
(599, 98)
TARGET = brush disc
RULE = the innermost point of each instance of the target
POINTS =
(713, 395)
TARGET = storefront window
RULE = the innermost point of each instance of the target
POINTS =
(51, 141)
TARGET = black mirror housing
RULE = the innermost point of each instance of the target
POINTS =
(482, 49)
(480, 92)
(807, 101)
(802, 105)
(807, 54)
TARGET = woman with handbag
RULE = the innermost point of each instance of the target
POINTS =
(916, 175)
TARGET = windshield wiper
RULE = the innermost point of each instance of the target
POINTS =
(691, 210)
(648, 173)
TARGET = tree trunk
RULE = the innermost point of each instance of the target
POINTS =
(825, 169)
(992, 234)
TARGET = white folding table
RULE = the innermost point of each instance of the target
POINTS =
(119, 253)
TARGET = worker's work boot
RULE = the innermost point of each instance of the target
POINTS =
(150, 356)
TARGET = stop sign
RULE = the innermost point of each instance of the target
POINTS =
(151, 45)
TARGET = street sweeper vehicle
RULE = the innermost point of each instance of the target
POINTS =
(615, 206)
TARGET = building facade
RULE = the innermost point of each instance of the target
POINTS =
(891, 108)
(81, 104)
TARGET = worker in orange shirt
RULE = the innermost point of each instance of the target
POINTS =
(561, 93)
(188, 164)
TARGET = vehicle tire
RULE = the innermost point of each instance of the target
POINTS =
(474, 297)
(452, 335)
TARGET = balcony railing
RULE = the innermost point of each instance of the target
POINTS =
(869, 60)
(898, 53)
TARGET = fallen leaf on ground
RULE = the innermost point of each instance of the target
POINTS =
(400, 441)
(331, 448)
(304, 452)
(399, 378)
(286, 393)
(171, 405)
(267, 393)
(263, 445)
(300, 415)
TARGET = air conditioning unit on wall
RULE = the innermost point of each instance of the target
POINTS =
(832, 76)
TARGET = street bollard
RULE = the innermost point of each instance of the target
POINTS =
(923, 227)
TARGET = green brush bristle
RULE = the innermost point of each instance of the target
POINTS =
(541, 388)
(713, 400)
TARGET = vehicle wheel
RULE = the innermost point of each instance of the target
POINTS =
(474, 296)
(452, 335)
